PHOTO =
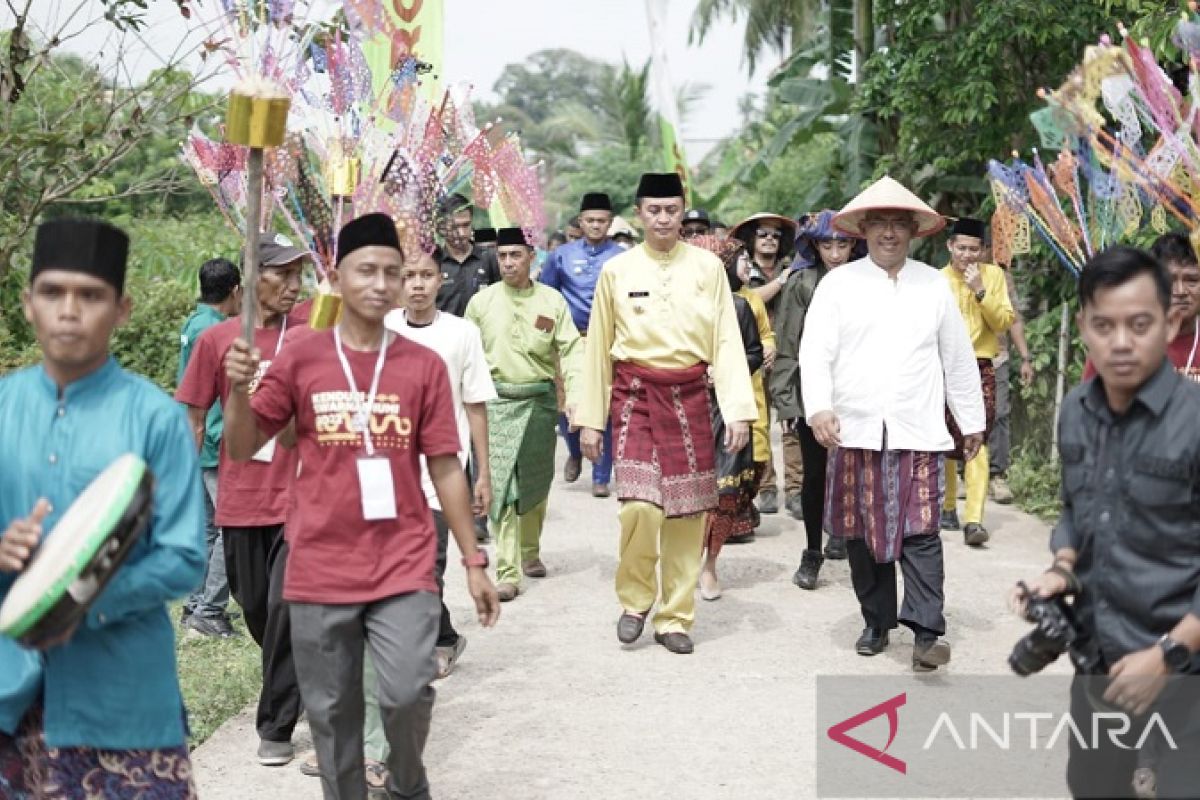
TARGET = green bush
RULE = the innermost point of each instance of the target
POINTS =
(165, 257)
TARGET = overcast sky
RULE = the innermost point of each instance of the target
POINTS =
(482, 36)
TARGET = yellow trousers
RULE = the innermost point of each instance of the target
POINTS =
(649, 539)
(518, 538)
(975, 473)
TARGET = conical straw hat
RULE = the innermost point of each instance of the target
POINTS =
(886, 194)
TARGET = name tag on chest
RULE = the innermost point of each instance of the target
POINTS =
(377, 488)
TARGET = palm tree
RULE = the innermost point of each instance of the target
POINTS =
(785, 25)
(623, 116)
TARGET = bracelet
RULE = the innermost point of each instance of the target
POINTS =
(1073, 585)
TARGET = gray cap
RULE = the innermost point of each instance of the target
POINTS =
(275, 250)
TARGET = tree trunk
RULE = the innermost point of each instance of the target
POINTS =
(864, 35)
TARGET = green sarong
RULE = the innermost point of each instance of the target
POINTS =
(522, 434)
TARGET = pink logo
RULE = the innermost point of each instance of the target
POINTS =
(888, 707)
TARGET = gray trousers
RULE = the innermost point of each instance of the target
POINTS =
(924, 585)
(998, 443)
(329, 641)
(212, 597)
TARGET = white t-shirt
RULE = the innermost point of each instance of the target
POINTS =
(459, 344)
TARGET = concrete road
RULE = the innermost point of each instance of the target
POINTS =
(549, 705)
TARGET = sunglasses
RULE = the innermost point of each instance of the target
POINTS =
(768, 234)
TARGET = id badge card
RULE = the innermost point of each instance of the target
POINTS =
(267, 453)
(377, 488)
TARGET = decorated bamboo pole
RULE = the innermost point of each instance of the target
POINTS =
(1064, 327)
(256, 118)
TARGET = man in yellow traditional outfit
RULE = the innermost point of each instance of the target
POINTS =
(981, 292)
(524, 326)
(662, 322)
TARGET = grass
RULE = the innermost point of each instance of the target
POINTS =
(1035, 484)
(219, 677)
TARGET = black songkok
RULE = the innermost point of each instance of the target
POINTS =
(369, 230)
(660, 184)
(511, 236)
(965, 226)
(595, 201)
(90, 246)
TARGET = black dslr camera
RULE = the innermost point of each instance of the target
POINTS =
(1056, 630)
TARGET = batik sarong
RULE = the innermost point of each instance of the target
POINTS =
(662, 438)
(883, 497)
(29, 770)
(737, 482)
(522, 434)
(987, 377)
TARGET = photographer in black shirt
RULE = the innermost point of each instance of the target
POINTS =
(1128, 540)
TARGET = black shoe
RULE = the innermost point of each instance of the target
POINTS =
(929, 654)
(184, 614)
(810, 567)
(950, 520)
(975, 534)
(629, 627)
(213, 627)
(795, 506)
(872, 642)
(741, 538)
(572, 468)
(768, 501)
(755, 517)
(676, 642)
(835, 549)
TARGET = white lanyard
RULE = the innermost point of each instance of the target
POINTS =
(1195, 340)
(282, 331)
(364, 411)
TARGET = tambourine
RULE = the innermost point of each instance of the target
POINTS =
(80, 555)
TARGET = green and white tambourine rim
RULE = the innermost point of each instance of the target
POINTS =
(71, 545)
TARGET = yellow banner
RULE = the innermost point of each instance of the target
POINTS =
(412, 28)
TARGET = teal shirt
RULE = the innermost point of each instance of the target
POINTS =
(113, 685)
(203, 318)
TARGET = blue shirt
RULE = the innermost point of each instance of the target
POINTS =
(203, 318)
(114, 684)
(573, 269)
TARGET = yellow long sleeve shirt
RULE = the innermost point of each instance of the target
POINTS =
(665, 311)
(987, 320)
(523, 330)
(761, 429)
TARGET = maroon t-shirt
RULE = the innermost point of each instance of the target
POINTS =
(249, 493)
(336, 555)
(1178, 351)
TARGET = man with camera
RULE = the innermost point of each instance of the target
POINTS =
(1127, 545)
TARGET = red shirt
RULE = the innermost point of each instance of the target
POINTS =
(1178, 351)
(337, 556)
(249, 493)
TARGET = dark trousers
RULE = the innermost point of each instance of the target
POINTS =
(812, 495)
(255, 560)
(924, 580)
(447, 636)
(1107, 769)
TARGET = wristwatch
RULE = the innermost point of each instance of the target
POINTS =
(782, 278)
(1176, 655)
(479, 559)
(980, 295)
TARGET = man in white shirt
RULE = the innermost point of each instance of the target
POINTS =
(459, 344)
(885, 350)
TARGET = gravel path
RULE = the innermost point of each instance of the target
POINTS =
(549, 705)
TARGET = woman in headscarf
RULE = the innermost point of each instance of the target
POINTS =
(737, 473)
(819, 249)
